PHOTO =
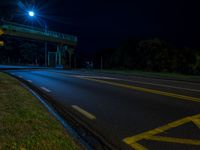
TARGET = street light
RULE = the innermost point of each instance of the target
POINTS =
(32, 14)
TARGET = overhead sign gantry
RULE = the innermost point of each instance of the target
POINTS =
(63, 41)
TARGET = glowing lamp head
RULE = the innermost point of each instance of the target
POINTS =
(31, 13)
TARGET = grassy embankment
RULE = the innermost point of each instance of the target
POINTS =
(25, 123)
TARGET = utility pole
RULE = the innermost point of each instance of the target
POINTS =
(70, 52)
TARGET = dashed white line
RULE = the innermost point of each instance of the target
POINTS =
(29, 81)
(83, 112)
(140, 82)
(45, 89)
(96, 77)
(162, 85)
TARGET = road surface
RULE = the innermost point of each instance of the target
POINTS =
(130, 112)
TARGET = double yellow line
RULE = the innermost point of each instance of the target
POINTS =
(174, 95)
(152, 91)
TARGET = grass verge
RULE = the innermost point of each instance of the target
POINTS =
(25, 123)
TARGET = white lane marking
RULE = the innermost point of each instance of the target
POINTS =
(29, 81)
(20, 76)
(45, 89)
(147, 83)
(96, 77)
(83, 112)
(162, 85)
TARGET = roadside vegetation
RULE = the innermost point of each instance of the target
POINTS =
(150, 55)
(25, 123)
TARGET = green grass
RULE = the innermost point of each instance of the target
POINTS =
(25, 123)
(154, 74)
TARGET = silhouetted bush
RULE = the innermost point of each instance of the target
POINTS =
(150, 55)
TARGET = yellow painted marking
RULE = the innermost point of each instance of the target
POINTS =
(174, 140)
(138, 146)
(197, 122)
(158, 130)
(150, 135)
(179, 96)
(174, 95)
(83, 112)
(1, 43)
(1, 32)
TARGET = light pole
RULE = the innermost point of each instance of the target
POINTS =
(45, 45)
(31, 13)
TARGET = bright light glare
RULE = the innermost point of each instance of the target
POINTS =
(31, 13)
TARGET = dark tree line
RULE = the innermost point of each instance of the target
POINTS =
(150, 55)
(21, 52)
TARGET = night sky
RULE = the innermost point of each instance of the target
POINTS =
(105, 23)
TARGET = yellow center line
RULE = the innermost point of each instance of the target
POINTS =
(174, 140)
(152, 91)
(179, 96)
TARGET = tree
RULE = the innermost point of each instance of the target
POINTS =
(153, 55)
(196, 66)
(29, 53)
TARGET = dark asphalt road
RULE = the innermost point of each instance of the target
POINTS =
(124, 106)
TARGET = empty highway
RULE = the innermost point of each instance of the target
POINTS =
(130, 112)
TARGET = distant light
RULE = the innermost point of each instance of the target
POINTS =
(1, 43)
(31, 13)
(1, 32)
